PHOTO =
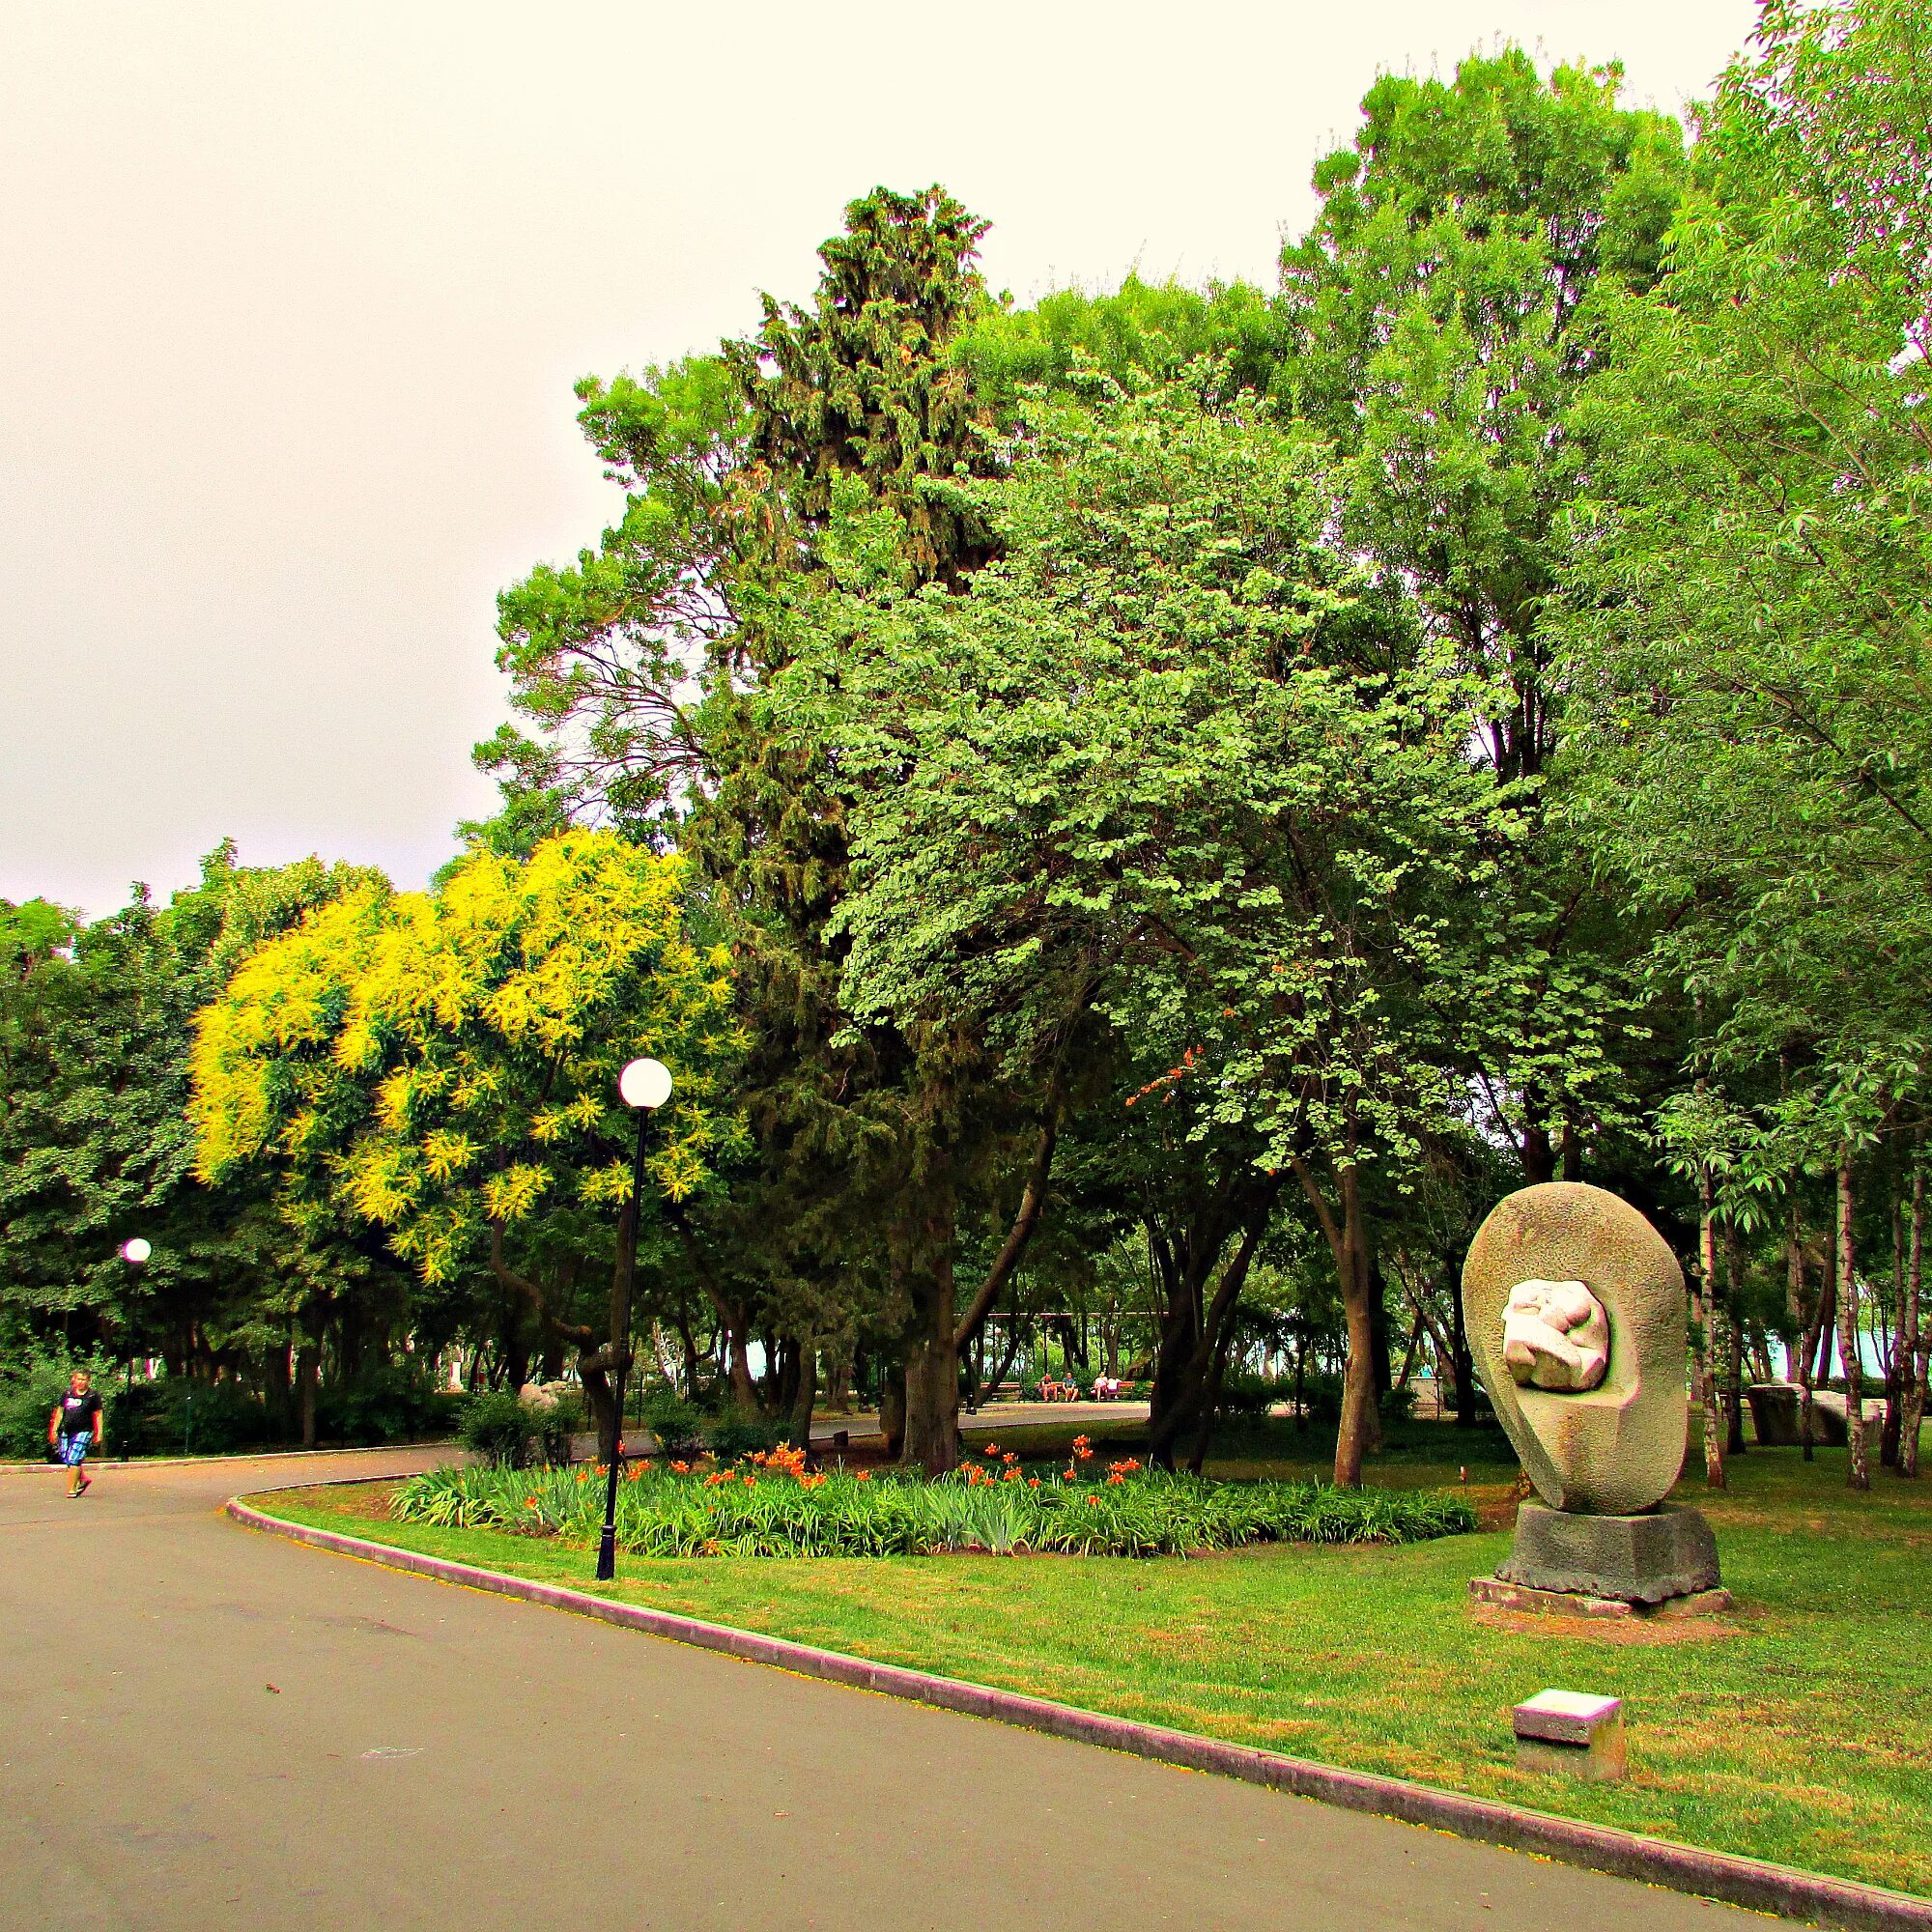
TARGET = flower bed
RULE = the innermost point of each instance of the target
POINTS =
(773, 1505)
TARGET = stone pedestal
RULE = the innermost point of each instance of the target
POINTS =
(1607, 1564)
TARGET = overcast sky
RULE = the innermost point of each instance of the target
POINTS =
(294, 296)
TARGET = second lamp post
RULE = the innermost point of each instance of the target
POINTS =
(645, 1085)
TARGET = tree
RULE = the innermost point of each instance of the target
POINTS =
(1173, 757)
(1745, 596)
(648, 668)
(444, 1066)
(1440, 311)
(95, 1031)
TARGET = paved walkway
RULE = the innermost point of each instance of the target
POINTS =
(433, 1758)
(998, 1415)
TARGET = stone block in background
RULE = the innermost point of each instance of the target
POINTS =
(1572, 1734)
(1775, 1416)
(1828, 1421)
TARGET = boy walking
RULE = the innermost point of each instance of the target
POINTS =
(74, 1427)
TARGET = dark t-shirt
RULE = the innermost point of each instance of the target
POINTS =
(79, 1412)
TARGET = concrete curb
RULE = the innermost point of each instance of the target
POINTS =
(112, 1461)
(1779, 1889)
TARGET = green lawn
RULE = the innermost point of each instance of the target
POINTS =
(1797, 1729)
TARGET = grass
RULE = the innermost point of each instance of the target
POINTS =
(1796, 1729)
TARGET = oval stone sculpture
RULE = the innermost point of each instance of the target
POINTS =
(1613, 1449)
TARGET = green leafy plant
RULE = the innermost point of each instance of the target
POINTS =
(770, 1505)
(513, 1435)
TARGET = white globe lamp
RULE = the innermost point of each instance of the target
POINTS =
(136, 1251)
(645, 1084)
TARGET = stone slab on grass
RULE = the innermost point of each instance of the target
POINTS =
(1571, 1733)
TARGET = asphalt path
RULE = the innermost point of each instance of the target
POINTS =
(204, 1727)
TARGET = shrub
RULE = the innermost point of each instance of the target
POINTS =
(731, 1436)
(510, 1434)
(1243, 1394)
(385, 1404)
(676, 1424)
(29, 1388)
(178, 1415)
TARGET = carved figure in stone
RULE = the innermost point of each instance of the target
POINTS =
(1555, 1336)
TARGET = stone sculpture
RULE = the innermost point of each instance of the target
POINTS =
(1575, 1310)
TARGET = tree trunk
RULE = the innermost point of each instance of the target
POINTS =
(1463, 1364)
(1734, 1340)
(1195, 1383)
(277, 1380)
(1358, 1431)
(1380, 1352)
(1703, 1321)
(516, 1359)
(1816, 1360)
(1896, 1360)
(601, 1400)
(892, 1411)
(1004, 1367)
(1346, 1236)
(1912, 1338)
(799, 1431)
(932, 1357)
(307, 1363)
(932, 1401)
(1856, 1475)
(1538, 1153)
(1798, 1354)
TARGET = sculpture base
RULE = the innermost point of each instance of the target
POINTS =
(1644, 1560)
(1494, 1594)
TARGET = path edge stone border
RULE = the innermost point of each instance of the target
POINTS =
(1782, 1891)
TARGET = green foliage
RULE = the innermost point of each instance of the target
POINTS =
(734, 1435)
(445, 1067)
(1227, 337)
(1172, 745)
(511, 1433)
(676, 1424)
(95, 1030)
(662, 1513)
(1747, 592)
(30, 1383)
(386, 1403)
(1442, 309)
(862, 385)
(177, 1415)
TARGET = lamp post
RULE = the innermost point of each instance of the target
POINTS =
(645, 1085)
(135, 1252)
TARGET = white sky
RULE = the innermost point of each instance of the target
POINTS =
(291, 298)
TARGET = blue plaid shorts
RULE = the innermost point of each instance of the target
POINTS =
(74, 1448)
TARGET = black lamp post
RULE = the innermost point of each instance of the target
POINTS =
(134, 1253)
(645, 1085)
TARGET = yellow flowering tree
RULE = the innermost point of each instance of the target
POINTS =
(444, 1066)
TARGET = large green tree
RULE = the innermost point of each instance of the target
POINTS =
(1176, 758)
(443, 1068)
(1440, 312)
(96, 1023)
(1746, 595)
(647, 668)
